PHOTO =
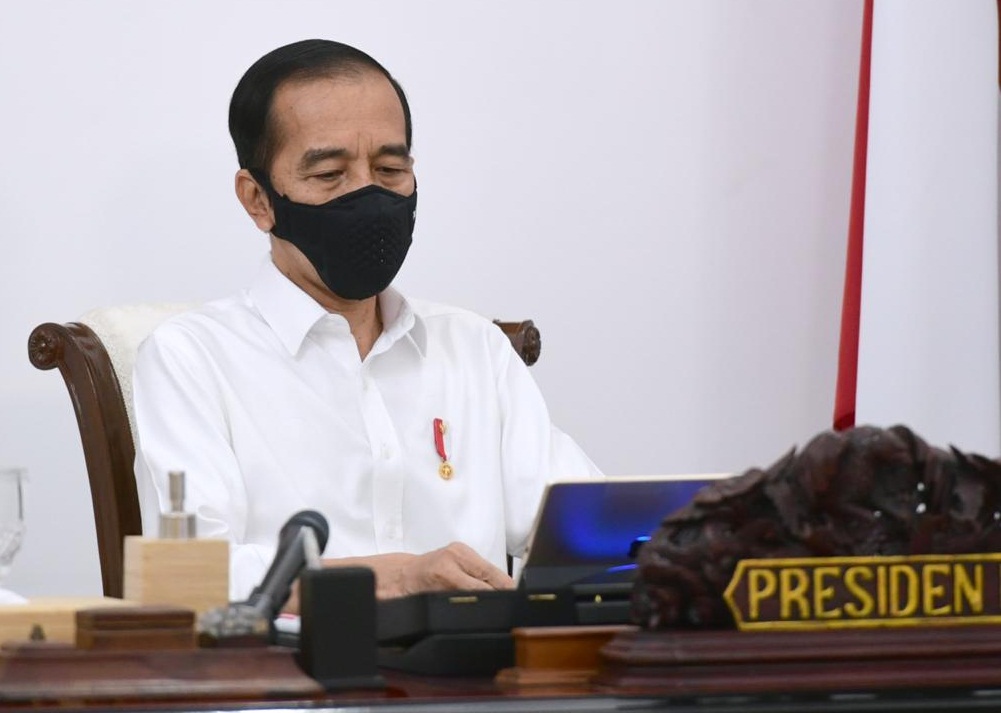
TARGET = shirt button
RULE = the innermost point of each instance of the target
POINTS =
(387, 452)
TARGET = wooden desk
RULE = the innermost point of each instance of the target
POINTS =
(199, 673)
(412, 694)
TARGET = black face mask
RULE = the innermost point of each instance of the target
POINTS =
(356, 242)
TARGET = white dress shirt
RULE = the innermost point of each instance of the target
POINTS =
(263, 400)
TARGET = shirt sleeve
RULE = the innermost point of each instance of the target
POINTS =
(181, 424)
(533, 451)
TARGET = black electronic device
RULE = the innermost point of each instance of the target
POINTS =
(404, 620)
(463, 633)
(588, 529)
(337, 642)
(456, 633)
(465, 654)
(587, 534)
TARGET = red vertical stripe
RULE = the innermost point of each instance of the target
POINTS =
(844, 398)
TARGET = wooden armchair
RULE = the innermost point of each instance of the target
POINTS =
(95, 357)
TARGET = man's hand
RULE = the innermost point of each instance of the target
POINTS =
(455, 566)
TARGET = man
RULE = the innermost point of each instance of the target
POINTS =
(413, 427)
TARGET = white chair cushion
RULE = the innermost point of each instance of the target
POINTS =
(122, 329)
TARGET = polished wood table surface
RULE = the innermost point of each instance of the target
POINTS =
(642, 671)
(419, 694)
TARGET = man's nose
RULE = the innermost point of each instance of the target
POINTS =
(360, 176)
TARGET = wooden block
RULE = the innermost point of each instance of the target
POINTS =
(187, 573)
(134, 618)
(143, 628)
(56, 616)
(557, 655)
(566, 647)
(145, 640)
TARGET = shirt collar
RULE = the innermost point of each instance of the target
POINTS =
(401, 321)
(291, 313)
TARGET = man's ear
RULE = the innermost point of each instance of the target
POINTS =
(254, 200)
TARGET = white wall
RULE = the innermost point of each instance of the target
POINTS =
(928, 339)
(663, 186)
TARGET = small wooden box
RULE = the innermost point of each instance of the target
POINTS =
(135, 628)
(182, 573)
(557, 655)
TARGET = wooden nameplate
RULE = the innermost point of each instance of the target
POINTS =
(849, 660)
(557, 656)
(54, 673)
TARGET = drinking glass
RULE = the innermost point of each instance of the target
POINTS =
(11, 516)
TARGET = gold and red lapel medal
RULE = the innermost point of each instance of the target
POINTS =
(445, 468)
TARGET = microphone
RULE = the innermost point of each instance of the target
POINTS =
(299, 542)
(270, 595)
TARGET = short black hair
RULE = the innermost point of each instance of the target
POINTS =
(250, 121)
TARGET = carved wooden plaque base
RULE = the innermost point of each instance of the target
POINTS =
(56, 673)
(732, 662)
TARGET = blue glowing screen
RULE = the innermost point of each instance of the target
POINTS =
(596, 522)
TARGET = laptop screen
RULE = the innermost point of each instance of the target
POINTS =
(585, 529)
